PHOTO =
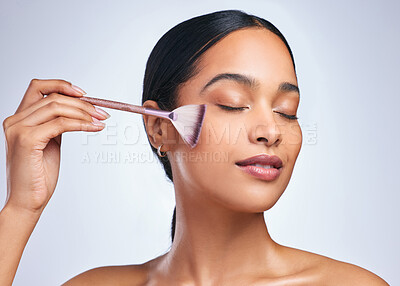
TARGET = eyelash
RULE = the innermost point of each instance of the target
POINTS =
(290, 117)
(230, 108)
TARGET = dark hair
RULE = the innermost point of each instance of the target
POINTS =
(174, 59)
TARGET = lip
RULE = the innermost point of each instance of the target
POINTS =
(262, 159)
(259, 172)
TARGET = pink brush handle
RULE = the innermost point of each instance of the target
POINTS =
(127, 107)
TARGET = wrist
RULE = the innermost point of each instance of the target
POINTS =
(21, 212)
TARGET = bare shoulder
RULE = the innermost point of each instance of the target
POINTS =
(322, 270)
(343, 273)
(134, 275)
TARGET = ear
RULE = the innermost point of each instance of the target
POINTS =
(159, 130)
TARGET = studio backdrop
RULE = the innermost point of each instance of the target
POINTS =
(113, 204)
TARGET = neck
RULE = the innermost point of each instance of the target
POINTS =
(214, 244)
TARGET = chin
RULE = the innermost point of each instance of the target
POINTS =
(253, 200)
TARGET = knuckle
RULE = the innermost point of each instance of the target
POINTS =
(63, 85)
(54, 105)
(87, 106)
(34, 82)
(62, 82)
(84, 115)
(6, 123)
(61, 121)
(52, 96)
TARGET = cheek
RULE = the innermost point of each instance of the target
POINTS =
(291, 148)
(210, 155)
(208, 165)
(293, 141)
(221, 133)
(215, 143)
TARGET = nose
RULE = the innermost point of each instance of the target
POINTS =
(265, 130)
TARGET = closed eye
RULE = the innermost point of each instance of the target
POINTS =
(291, 117)
(231, 108)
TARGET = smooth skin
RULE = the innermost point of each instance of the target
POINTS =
(221, 236)
(33, 139)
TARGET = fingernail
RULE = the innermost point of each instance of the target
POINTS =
(102, 112)
(78, 89)
(97, 122)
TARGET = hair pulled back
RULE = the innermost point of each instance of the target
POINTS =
(174, 59)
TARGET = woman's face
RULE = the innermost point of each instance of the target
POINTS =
(258, 63)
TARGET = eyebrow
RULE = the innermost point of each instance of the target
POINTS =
(249, 82)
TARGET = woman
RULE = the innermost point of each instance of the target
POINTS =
(240, 66)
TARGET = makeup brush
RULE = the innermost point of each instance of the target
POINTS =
(187, 119)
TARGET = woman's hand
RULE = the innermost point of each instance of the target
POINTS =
(33, 138)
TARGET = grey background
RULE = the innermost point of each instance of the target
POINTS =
(342, 200)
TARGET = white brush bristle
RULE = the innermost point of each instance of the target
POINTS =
(189, 120)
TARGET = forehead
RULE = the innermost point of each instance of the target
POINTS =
(253, 51)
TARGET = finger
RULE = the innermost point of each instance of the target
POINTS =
(53, 110)
(51, 129)
(61, 99)
(40, 87)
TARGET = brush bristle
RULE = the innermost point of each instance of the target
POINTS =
(188, 122)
